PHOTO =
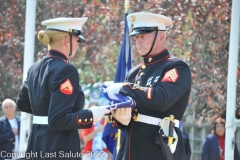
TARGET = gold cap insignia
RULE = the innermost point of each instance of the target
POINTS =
(133, 18)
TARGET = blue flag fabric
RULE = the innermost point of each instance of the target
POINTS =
(125, 56)
(123, 66)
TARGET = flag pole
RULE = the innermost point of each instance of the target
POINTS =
(126, 6)
(232, 81)
(25, 126)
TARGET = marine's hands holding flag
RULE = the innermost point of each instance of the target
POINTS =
(123, 115)
(98, 112)
(121, 106)
(111, 93)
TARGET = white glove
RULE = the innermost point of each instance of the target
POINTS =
(98, 113)
(123, 115)
(113, 89)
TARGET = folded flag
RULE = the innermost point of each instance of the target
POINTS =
(122, 102)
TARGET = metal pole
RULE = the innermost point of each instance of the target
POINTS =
(28, 61)
(126, 6)
(232, 81)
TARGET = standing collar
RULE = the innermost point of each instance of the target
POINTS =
(57, 54)
(155, 58)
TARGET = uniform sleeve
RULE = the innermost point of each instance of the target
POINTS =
(22, 101)
(205, 149)
(167, 91)
(65, 92)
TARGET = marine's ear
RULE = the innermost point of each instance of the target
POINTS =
(67, 41)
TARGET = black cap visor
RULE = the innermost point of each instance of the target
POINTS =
(81, 39)
(78, 33)
(143, 30)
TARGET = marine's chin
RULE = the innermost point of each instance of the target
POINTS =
(141, 53)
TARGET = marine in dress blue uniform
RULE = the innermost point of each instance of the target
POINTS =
(53, 95)
(160, 86)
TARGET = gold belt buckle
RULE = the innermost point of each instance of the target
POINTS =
(135, 117)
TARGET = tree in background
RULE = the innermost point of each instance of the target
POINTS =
(200, 35)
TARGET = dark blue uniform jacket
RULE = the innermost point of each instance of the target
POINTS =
(52, 89)
(161, 87)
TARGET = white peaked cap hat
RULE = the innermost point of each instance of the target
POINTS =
(144, 22)
(72, 25)
(65, 24)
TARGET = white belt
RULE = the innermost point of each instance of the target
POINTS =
(40, 119)
(151, 120)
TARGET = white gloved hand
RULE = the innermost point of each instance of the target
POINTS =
(113, 89)
(98, 113)
(123, 115)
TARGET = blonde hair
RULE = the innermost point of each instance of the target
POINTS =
(51, 37)
(7, 101)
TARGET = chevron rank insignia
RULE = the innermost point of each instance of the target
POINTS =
(66, 87)
(171, 76)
